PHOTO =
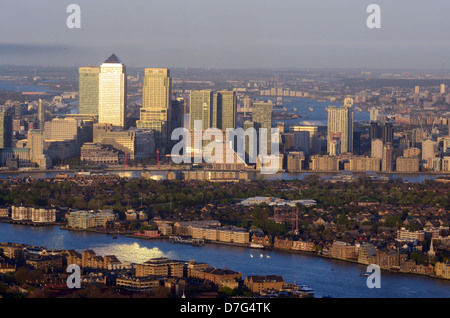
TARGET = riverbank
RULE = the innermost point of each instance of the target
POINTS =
(28, 223)
(108, 232)
(131, 234)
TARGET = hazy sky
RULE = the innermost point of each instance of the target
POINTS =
(414, 34)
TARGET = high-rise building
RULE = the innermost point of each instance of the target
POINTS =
(377, 148)
(201, 109)
(6, 129)
(442, 89)
(113, 93)
(313, 136)
(388, 133)
(387, 162)
(88, 90)
(429, 149)
(224, 110)
(373, 114)
(417, 89)
(36, 145)
(340, 126)
(41, 115)
(156, 112)
(262, 119)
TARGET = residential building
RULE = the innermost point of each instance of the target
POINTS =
(340, 126)
(259, 283)
(160, 267)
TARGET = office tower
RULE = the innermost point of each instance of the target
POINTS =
(417, 89)
(377, 146)
(388, 133)
(374, 131)
(340, 126)
(429, 149)
(373, 114)
(301, 141)
(107, 134)
(387, 164)
(41, 115)
(313, 136)
(177, 115)
(224, 110)
(262, 119)
(6, 129)
(36, 145)
(62, 129)
(113, 93)
(442, 89)
(156, 110)
(88, 90)
(200, 108)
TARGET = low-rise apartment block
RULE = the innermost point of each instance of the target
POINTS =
(162, 267)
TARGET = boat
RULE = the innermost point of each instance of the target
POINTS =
(255, 245)
(294, 109)
(306, 292)
(311, 109)
(364, 274)
(115, 236)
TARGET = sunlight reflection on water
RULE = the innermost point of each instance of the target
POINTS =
(133, 253)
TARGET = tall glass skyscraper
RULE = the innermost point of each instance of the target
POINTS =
(89, 78)
(224, 110)
(113, 93)
(155, 113)
(6, 129)
(200, 108)
(262, 118)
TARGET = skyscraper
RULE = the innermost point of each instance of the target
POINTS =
(224, 110)
(340, 126)
(113, 93)
(201, 108)
(156, 109)
(262, 119)
(88, 89)
(6, 129)
(387, 162)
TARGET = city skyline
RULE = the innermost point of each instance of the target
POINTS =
(285, 34)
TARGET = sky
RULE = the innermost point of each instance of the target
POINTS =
(298, 34)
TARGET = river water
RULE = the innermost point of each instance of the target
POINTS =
(326, 276)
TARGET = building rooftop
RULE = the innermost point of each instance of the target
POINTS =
(113, 59)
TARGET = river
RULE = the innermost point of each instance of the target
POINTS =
(326, 276)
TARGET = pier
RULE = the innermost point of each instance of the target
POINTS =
(186, 240)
